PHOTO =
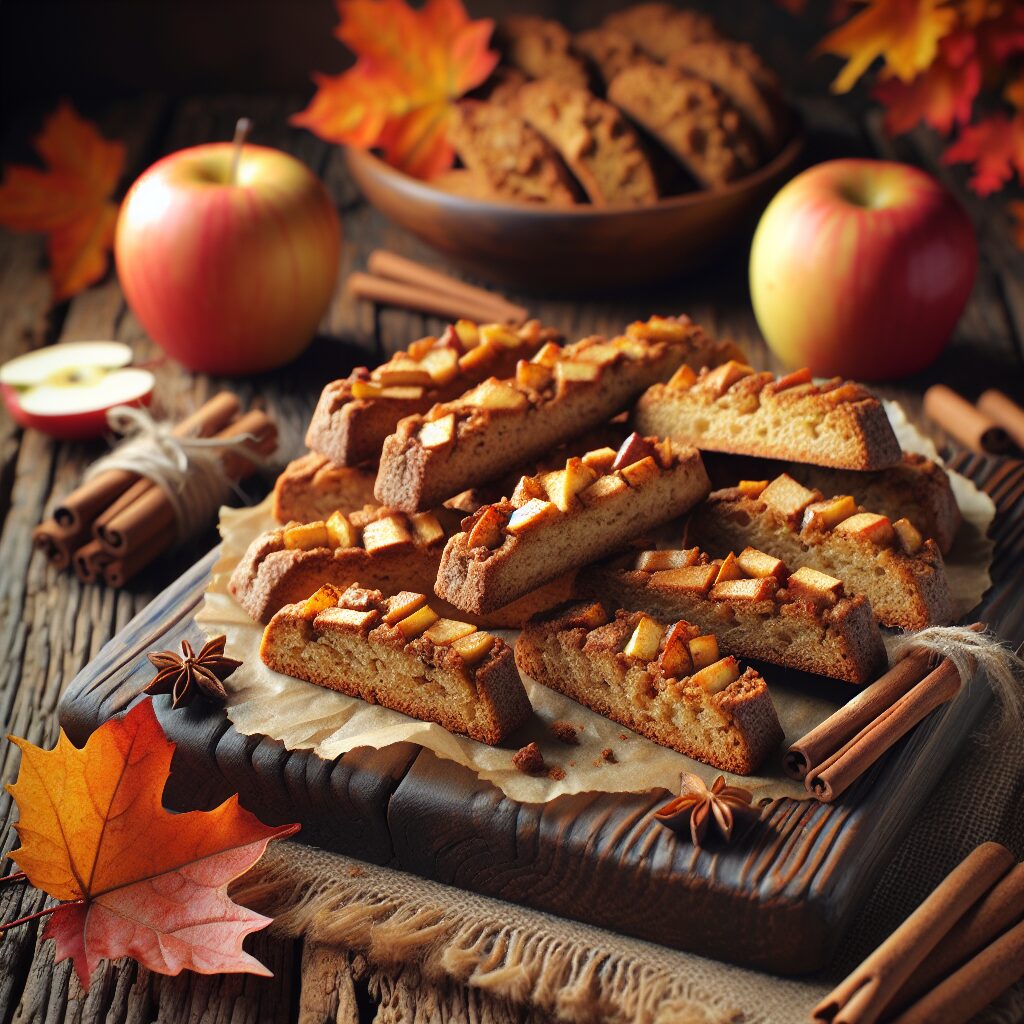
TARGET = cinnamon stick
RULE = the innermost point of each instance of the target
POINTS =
(89, 561)
(58, 542)
(406, 271)
(120, 571)
(963, 422)
(424, 300)
(1006, 412)
(863, 996)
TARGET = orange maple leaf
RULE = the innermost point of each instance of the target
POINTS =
(905, 33)
(411, 66)
(146, 883)
(995, 146)
(941, 96)
(69, 200)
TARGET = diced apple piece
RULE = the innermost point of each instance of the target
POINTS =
(602, 488)
(549, 354)
(403, 605)
(418, 349)
(752, 488)
(787, 497)
(494, 394)
(760, 564)
(354, 619)
(869, 526)
(572, 371)
(683, 379)
(530, 515)
(675, 659)
(632, 347)
(386, 534)
(489, 529)
(846, 393)
(589, 616)
(447, 631)
(477, 357)
(561, 486)
(814, 584)
(426, 529)
(645, 640)
(473, 648)
(664, 453)
(449, 339)
(601, 352)
(826, 515)
(729, 569)
(341, 532)
(600, 459)
(420, 620)
(791, 380)
(659, 561)
(326, 597)
(910, 537)
(693, 578)
(719, 380)
(365, 389)
(527, 488)
(535, 376)
(468, 334)
(499, 334)
(442, 365)
(633, 449)
(661, 328)
(307, 537)
(402, 371)
(744, 590)
(403, 394)
(438, 433)
(716, 677)
(704, 650)
(636, 474)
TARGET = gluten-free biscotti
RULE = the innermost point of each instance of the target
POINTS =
(666, 680)
(732, 408)
(561, 393)
(354, 415)
(311, 487)
(891, 563)
(399, 653)
(755, 606)
(565, 519)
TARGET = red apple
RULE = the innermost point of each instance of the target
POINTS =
(65, 390)
(229, 269)
(861, 268)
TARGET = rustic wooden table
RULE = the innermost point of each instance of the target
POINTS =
(51, 625)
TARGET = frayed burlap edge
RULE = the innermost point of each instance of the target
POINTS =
(574, 972)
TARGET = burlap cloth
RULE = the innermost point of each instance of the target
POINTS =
(573, 972)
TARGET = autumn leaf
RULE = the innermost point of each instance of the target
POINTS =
(69, 200)
(147, 883)
(941, 96)
(411, 66)
(905, 33)
(995, 146)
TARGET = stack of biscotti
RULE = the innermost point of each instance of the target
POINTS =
(891, 563)
(666, 680)
(399, 653)
(754, 605)
(566, 519)
(558, 395)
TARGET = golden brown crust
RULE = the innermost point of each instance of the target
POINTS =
(541, 48)
(608, 51)
(312, 487)
(660, 28)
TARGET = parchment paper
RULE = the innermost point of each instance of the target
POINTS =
(304, 716)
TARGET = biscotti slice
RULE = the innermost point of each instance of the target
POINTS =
(695, 122)
(541, 48)
(516, 161)
(593, 138)
(734, 409)
(399, 653)
(312, 487)
(608, 51)
(660, 29)
(354, 415)
(890, 563)
(565, 519)
(499, 425)
(377, 547)
(803, 620)
(664, 680)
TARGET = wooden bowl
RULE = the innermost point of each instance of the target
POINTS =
(576, 248)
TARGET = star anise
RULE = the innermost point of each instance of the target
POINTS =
(186, 677)
(700, 806)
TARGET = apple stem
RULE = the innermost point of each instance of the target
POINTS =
(242, 128)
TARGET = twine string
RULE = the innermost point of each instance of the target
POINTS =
(188, 470)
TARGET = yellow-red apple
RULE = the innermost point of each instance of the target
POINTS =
(861, 268)
(228, 264)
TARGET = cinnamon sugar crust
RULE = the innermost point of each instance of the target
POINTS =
(541, 48)
(660, 29)
(311, 487)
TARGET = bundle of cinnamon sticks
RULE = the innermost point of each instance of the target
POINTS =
(995, 425)
(117, 522)
(395, 280)
(953, 956)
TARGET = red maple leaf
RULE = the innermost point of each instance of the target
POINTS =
(995, 146)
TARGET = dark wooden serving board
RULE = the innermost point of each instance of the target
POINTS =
(780, 898)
